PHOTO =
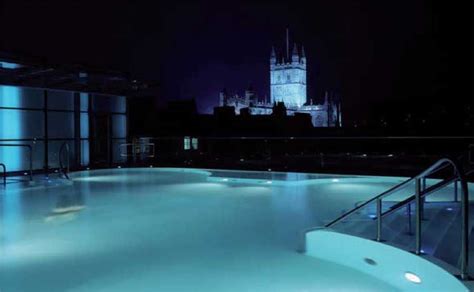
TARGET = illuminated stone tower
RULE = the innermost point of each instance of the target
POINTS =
(288, 77)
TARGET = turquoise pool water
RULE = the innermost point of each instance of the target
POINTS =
(177, 230)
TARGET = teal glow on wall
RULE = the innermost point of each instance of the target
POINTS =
(10, 126)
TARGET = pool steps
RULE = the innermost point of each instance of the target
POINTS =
(440, 231)
(428, 229)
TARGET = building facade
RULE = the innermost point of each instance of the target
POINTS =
(40, 115)
(288, 85)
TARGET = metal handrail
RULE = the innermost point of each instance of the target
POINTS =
(4, 174)
(420, 193)
(423, 194)
(30, 156)
(432, 169)
(64, 170)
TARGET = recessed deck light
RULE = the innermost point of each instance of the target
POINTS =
(151, 166)
(119, 166)
(412, 277)
(370, 261)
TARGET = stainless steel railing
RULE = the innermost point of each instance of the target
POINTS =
(4, 173)
(30, 156)
(421, 191)
(64, 170)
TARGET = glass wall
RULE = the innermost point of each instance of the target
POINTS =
(45, 119)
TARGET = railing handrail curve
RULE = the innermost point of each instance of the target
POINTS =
(30, 156)
(4, 173)
(440, 164)
(64, 170)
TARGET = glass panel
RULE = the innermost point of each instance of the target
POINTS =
(119, 126)
(13, 96)
(84, 101)
(84, 125)
(21, 124)
(60, 125)
(60, 100)
(104, 103)
(85, 153)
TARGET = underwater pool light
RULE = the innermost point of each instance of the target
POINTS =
(449, 209)
(335, 180)
(25, 173)
(412, 277)
(225, 179)
(372, 216)
(268, 182)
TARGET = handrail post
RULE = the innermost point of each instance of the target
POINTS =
(379, 220)
(423, 199)
(455, 190)
(418, 204)
(60, 155)
(4, 174)
(67, 159)
(31, 162)
(409, 218)
(465, 230)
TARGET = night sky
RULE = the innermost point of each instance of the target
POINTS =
(370, 52)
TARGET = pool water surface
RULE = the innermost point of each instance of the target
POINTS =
(177, 230)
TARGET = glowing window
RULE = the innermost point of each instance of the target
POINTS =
(194, 143)
(187, 143)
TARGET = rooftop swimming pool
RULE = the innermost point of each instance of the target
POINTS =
(164, 229)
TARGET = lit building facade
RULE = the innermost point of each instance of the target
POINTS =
(288, 85)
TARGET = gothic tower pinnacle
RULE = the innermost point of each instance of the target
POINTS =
(303, 56)
(273, 59)
(295, 58)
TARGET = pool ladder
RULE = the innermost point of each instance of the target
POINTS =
(420, 193)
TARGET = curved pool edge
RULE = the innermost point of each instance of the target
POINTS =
(389, 264)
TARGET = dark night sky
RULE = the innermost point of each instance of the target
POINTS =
(369, 51)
